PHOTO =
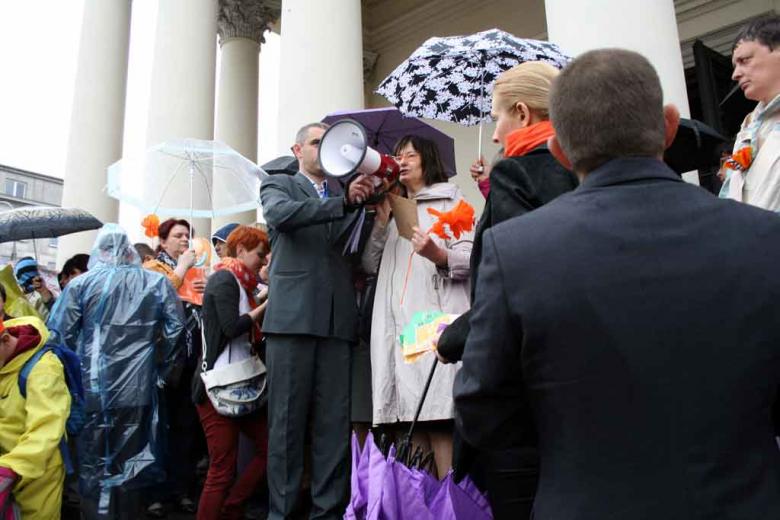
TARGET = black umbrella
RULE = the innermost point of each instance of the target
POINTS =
(695, 146)
(44, 222)
(285, 164)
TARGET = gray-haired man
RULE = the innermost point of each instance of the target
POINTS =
(593, 322)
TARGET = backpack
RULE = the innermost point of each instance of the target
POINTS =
(71, 365)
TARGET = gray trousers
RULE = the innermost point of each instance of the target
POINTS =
(308, 380)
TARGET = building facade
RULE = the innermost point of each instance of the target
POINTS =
(334, 53)
(20, 188)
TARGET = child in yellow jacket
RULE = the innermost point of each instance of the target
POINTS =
(31, 428)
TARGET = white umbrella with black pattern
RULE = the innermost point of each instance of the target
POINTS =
(451, 78)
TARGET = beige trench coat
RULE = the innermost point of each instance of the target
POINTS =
(397, 386)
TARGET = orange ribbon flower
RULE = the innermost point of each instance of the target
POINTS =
(459, 219)
(151, 224)
(741, 159)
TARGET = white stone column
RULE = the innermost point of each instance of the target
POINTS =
(321, 67)
(648, 27)
(181, 102)
(241, 24)
(97, 120)
(645, 26)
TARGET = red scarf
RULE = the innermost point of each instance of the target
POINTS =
(248, 281)
(523, 140)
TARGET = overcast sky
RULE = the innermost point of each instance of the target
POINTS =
(38, 49)
(39, 42)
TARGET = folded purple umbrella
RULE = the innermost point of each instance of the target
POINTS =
(401, 498)
(375, 480)
(424, 484)
(385, 489)
(453, 502)
(471, 489)
(356, 509)
(385, 126)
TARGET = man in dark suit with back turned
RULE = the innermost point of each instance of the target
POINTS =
(596, 321)
(309, 323)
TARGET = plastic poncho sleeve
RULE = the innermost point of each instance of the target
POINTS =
(172, 326)
(65, 317)
(47, 407)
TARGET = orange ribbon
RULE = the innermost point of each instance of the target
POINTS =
(741, 159)
(459, 219)
(151, 225)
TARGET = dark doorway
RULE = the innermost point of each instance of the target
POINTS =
(714, 101)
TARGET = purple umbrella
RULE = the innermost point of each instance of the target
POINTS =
(401, 498)
(385, 126)
(356, 509)
(455, 502)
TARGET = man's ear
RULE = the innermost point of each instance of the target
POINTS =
(296, 150)
(671, 124)
(557, 152)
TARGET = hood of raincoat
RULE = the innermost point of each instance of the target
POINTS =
(15, 364)
(113, 249)
(31, 428)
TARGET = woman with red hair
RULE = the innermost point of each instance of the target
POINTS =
(231, 329)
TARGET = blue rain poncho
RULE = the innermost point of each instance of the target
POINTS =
(124, 322)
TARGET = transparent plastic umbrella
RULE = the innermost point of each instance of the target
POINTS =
(201, 179)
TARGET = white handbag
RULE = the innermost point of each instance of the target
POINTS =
(238, 388)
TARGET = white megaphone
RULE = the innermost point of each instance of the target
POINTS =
(344, 150)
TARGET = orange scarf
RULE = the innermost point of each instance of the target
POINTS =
(523, 140)
(248, 282)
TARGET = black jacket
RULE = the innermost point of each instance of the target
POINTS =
(648, 383)
(517, 185)
(221, 323)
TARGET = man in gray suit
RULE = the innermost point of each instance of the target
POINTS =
(309, 323)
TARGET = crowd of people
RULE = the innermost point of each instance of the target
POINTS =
(616, 354)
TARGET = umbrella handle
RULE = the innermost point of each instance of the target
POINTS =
(481, 113)
(479, 140)
(422, 398)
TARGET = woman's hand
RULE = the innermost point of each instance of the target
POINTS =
(441, 358)
(186, 259)
(258, 312)
(199, 285)
(424, 246)
(480, 170)
(383, 211)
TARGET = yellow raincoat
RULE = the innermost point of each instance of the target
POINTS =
(31, 429)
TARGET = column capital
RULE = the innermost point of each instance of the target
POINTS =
(246, 19)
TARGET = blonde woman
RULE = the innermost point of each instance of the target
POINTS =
(528, 177)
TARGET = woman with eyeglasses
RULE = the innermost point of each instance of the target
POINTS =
(425, 273)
